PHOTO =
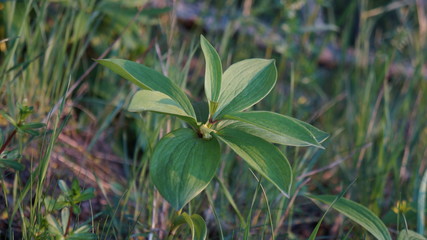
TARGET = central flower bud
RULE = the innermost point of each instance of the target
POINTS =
(206, 131)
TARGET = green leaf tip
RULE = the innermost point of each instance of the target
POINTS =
(358, 213)
(213, 73)
(276, 128)
(154, 101)
(244, 84)
(148, 79)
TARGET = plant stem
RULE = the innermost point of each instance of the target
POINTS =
(9, 139)
(173, 229)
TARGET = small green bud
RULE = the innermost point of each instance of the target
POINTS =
(206, 131)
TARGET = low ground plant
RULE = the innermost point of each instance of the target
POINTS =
(185, 160)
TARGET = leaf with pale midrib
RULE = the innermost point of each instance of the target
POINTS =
(147, 100)
(275, 128)
(213, 73)
(261, 155)
(182, 165)
(244, 84)
(147, 78)
(358, 213)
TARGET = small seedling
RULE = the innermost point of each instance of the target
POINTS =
(8, 158)
(68, 199)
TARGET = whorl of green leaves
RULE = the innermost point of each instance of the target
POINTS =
(185, 160)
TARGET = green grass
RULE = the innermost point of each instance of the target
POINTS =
(370, 96)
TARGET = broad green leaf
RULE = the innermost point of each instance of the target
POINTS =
(183, 164)
(261, 155)
(200, 229)
(213, 73)
(358, 213)
(244, 84)
(275, 128)
(146, 100)
(410, 235)
(147, 78)
(196, 224)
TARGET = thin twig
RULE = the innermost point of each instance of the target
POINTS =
(9, 139)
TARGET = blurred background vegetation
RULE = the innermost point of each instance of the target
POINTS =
(355, 69)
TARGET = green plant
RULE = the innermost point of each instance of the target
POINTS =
(20, 125)
(68, 199)
(186, 159)
(10, 154)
